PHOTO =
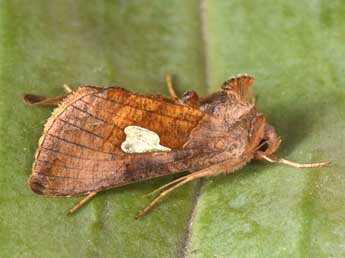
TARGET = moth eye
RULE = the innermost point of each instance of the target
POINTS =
(263, 146)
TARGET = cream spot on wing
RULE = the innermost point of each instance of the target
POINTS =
(141, 140)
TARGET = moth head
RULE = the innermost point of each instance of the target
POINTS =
(269, 143)
(263, 139)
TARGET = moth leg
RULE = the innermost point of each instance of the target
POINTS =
(228, 165)
(67, 88)
(170, 86)
(202, 173)
(30, 99)
(273, 159)
(160, 196)
(166, 185)
(81, 203)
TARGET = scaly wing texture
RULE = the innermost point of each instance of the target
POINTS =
(80, 147)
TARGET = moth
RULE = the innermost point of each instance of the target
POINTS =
(102, 138)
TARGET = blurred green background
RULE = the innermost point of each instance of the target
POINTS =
(296, 51)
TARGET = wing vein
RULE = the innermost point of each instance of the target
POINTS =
(73, 156)
(79, 145)
(80, 128)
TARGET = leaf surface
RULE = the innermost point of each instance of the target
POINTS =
(294, 49)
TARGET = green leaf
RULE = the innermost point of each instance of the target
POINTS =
(295, 49)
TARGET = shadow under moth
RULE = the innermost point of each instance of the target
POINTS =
(102, 138)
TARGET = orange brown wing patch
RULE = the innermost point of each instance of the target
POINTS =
(172, 122)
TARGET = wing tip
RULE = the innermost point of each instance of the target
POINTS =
(36, 184)
(42, 185)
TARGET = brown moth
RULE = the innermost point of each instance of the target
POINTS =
(102, 138)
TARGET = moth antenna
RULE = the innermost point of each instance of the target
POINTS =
(273, 159)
